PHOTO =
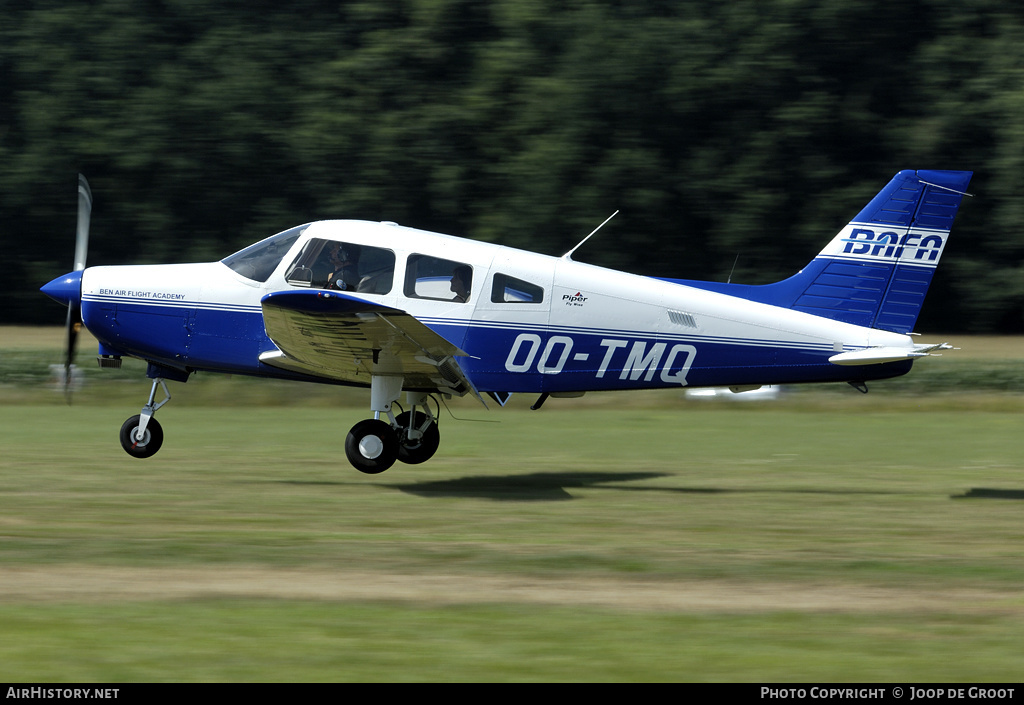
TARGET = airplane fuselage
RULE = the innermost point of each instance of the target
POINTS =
(531, 322)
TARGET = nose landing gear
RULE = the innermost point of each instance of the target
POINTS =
(141, 435)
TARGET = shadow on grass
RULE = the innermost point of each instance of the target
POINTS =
(551, 486)
(532, 487)
(547, 486)
(555, 486)
(989, 493)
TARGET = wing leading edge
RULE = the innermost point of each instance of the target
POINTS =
(329, 334)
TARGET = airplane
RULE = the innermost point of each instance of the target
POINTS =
(400, 310)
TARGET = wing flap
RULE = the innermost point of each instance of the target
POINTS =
(341, 337)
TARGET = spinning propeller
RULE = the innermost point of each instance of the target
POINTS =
(68, 288)
(74, 321)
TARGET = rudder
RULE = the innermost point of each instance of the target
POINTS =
(876, 271)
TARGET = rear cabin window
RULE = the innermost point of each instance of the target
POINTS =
(429, 277)
(509, 290)
(343, 266)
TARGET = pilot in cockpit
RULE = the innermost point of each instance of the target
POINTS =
(345, 261)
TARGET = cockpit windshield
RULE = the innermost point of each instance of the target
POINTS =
(258, 262)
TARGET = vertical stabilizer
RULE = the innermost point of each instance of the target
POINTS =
(877, 270)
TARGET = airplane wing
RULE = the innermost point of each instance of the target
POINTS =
(330, 334)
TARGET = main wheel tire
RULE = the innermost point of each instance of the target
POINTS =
(148, 445)
(423, 448)
(371, 446)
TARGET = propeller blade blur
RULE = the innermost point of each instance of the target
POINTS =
(84, 214)
(72, 326)
(74, 320)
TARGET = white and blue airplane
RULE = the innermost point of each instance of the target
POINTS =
(400, 310)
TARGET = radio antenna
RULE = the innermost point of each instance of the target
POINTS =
(568, 255)
(729, 280)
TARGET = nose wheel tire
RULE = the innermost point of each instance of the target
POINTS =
(143, 447)
(420, 449)
(371, 446)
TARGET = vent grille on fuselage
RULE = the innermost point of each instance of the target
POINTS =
(682, 319)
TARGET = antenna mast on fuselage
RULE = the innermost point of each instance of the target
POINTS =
(568, 255)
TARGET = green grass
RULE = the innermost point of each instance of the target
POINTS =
(830, 536)
(252, 641)
(675, 500)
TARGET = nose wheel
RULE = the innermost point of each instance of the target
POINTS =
(144, 444)
(141, 435)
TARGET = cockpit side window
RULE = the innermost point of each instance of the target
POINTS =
(344, 266)
(429, 277)
(509, 290)
(258, 262)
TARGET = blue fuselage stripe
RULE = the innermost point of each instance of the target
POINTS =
(503, 357)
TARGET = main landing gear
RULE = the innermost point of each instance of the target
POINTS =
(141, 435)
(373, 445)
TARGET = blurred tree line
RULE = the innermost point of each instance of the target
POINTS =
(734, 136)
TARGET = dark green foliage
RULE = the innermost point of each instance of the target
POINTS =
(747, 128)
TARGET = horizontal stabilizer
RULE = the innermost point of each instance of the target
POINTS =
(880, 355)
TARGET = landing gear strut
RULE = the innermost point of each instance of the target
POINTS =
(373, 445)
(418, 436)
(141, 435)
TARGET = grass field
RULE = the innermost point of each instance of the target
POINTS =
(828, 536)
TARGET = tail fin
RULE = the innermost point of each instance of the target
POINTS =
(877, 270)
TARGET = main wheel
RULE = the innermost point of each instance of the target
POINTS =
(143, 447)
(424, 447)
(371, 446)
